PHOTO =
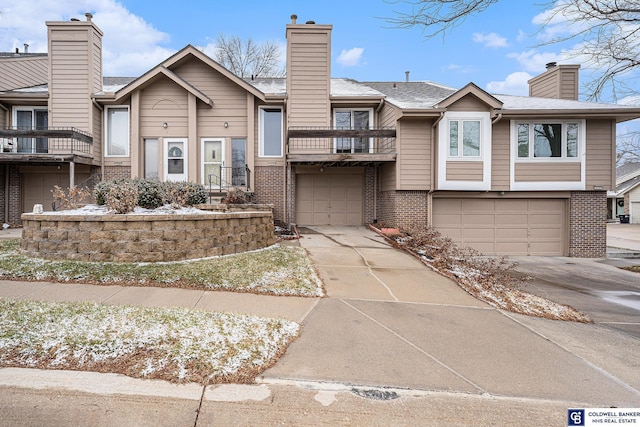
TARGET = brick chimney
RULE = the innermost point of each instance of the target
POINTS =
(558, 81)
(308, 74)
(75, 72)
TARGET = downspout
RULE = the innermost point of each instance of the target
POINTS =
(6, 194)
(496, 119)
(101, 108)
(433, 170)
(376, 171)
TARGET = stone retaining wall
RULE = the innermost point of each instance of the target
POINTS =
(144, 238)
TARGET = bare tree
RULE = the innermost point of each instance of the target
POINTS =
(607, 33)
(628, 148)
(247, 58)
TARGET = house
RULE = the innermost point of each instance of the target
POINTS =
(505, 174)
(625, 200)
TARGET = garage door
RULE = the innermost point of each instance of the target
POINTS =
(504, 226)
(635, 212)
(36, 188)
(326, 199)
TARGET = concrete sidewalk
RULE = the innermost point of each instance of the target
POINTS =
(388, 324)
(623, 240)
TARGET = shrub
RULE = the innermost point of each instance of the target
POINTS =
(151, 194)
(184, 193)
(101, 190)
(122, 198)
(235, 196)
(72, 197)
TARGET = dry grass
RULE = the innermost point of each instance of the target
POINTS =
(489, 279)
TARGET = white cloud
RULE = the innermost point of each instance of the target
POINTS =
(130, 44)
(534, 61)
(459, 69)
(490, 40)
(351, 57)
(514, 84)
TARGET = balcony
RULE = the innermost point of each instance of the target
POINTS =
(45, 145)
(341, 146)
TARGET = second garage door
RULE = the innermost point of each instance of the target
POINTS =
(504, 226)
(329, 199)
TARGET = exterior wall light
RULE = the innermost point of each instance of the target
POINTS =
(165, 125)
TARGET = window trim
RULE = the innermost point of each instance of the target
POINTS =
(460, 147)
(581, 141)
(106, 131)
(262, 110)
(351, 110)
(14, 117)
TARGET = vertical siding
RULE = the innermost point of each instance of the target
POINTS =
(413, 146)
(23, 72)
(600, 140)
(308, 75)
(500, 156)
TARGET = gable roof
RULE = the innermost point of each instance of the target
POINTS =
(164, 68)
(471, 89)
(627, 178)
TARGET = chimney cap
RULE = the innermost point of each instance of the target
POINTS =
(88, 16)
(550, 65)
(294, 18)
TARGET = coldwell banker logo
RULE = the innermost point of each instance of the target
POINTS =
(576, 417)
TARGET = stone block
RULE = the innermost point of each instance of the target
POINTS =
(151, 236)
(125, 257)
(163, 225)
(229, 249)
(175, 255)
(90, 226)
(115, 226)
(138, 225)
(89, 247)
(57, 235)
(82, 257)
(68, 225)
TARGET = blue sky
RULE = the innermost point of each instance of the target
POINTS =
(497, 49)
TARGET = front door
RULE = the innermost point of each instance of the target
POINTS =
(212, 162)
(175, 159)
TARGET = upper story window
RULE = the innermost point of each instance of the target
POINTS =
(464, 138)
(27, 118)
(271, 132)
(117, 132)
(549, 140)
(356, 120)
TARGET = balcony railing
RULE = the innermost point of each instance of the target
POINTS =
(53, 140)
(310, 140)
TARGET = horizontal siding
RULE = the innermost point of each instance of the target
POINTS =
(634, 195)
(229, 101)
(23, 72)
(413, 146)
(545, 87)
(569, 84)
(547, 172)
(468, 103)
(163, 101)
(69, 89)
(388, 177)
(600, 148)
(500, 156)
(464, 171)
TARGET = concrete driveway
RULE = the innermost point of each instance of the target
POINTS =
(389, 321)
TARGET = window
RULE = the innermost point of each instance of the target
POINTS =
(151, 159)
(464, 138)
(548, 140)
(356, 120)
(271, 132)
(238, 162)
(117, 135)
(27, 119)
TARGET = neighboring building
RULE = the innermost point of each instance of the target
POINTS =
(505, 174)
(626, 197)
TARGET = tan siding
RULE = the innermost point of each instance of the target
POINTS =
(23, 72)
(387, 116)
(545, 87)
(600, 140)
(229, 102)
(500, 156)
(634, 195)
(163, 101)
(468, 103)
(557, 82)
(464, 171)
(413, 146)
(308, 75)
(97, 135)
(388, 177)
(568, 85)
(547, 172)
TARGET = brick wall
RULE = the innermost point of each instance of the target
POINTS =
(268, 185)
(588, 224)
(116, 172)
(369, 195)
(15, 199)
(402, 209)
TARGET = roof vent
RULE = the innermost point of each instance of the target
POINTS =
(406, 74)
(550, 65)
(294, 18)
(310, 22)
(75, 20)
(88, 16)
(26, 48)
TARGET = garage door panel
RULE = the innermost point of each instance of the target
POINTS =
(504, 226)
(326, 199)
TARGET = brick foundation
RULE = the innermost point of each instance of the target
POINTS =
(144, 238)
(268, 184)
(116, 172)
(402, 209)
(15, 199)
(588, 224)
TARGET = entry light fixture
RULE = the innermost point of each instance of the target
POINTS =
(226, 124)
(165, 125)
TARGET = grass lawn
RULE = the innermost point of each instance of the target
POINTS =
(177, 345)
(277, 270)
